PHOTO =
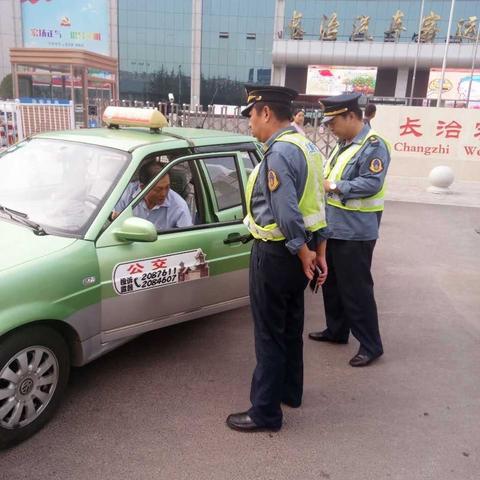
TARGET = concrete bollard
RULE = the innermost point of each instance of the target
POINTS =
(440, 179)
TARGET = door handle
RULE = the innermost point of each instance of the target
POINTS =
(237, 238)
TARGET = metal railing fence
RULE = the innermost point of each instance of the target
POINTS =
(20, 120)
(224, 118)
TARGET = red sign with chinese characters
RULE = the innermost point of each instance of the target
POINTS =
(440, 135)
(424, 137)
(411, 127)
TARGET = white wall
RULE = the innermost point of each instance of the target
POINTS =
(197, 8)
(113, 28)
(377, 54)
(401, 85)
(10, 36)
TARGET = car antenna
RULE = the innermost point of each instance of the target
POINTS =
(211, 103)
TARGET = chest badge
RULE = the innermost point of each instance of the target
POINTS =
(273, 181)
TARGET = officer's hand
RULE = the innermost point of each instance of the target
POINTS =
(307, 257)
(322, 265)
(328, 188)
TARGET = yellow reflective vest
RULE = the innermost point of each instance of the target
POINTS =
(312, 201)
(375, 203)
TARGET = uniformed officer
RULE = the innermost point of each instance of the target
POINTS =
(286, 216)
(354, 182)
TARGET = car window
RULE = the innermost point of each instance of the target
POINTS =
(163, 158)
(168, 201)
(133, 188)
(189, 201)
(182, 182)
(59, 184)
(225, 181)
(248, 162)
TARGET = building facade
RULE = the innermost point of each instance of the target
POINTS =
(395, 57)
(199, 50)
(207, 49)
(203, 51)
(10, 33)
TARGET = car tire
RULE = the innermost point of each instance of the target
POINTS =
(34, 370)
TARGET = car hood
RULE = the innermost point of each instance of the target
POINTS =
(19, 244)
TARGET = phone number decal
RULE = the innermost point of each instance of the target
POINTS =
(158, 272)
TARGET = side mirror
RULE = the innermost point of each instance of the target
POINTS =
(136, 229)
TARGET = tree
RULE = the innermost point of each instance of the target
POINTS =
(6, 87)
(222, 91)
(163, 82)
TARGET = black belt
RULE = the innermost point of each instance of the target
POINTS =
(273, 246)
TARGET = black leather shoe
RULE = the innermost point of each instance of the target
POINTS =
(244, 423)
(323, 337)
(362, 360)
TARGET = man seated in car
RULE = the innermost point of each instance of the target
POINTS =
(162, 206)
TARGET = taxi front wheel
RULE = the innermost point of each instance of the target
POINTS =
(34, 369)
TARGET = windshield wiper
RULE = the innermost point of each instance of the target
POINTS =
(22, 218)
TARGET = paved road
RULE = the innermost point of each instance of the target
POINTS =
(155, 408)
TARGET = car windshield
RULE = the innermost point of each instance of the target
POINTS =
(58, 184)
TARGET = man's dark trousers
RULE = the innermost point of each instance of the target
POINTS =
(277, 285)
(348, 295)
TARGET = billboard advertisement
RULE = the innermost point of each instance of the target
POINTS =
(455, 84)
(331, 80)
(66, 24)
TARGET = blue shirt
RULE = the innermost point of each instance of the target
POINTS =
(281, 205)
(172, 213)
(358, 181)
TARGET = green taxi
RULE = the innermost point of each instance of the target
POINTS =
(80, 276)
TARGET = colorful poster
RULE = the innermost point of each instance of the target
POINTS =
(66, 24)
(455, 84)
(330, 80)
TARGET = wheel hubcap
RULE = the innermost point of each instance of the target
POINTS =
(26, 387)
(27, 384)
